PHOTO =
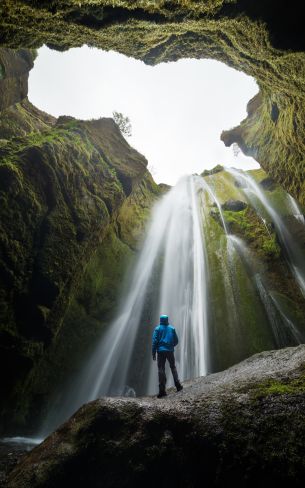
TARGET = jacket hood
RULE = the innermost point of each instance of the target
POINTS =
(163, 319)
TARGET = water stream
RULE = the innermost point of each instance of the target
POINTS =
(170, 277)
(259, 200)
(296, 210)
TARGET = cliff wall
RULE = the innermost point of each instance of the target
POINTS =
(74, 196)
(263, 39)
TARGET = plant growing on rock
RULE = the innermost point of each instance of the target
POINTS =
(123, 122)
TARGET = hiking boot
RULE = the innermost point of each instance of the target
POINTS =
(178, 386)
(162, 393)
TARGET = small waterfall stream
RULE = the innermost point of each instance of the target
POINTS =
(259, 200)
(295, 209)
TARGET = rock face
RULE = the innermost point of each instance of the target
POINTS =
(262, 39)
(74, 196)
(14, 73)
(243, 426)
(234, 205)
(247, 268)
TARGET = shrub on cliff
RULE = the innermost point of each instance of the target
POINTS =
(123, 123)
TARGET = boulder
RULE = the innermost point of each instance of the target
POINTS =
(244, 426)
(234, 205)
(268, 184)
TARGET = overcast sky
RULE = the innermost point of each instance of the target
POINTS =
(177, 110)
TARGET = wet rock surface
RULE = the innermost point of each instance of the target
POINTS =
(14, 73)
(244, 426)
(234, 205)
(263, 39)
(10, 454)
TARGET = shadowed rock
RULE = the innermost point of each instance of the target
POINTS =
(245, 425)
(234, 205)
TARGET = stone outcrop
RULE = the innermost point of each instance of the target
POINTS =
(262, 39)
(14, 73)
(66, 185)
(244, 426)
(234, 205)
(276, 141)
(21, 119)
(244, 266)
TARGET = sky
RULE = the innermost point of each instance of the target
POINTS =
(177, 110)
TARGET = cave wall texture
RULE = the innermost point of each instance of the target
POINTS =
(263, 39)
(74, 197)
(75, 182)
(236, 336)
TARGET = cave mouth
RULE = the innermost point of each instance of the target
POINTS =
(177, 109)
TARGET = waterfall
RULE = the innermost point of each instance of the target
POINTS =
(169, 278)
(205, 187)
(283, 330)
(209, 283)
(296, 210)
(256, 196)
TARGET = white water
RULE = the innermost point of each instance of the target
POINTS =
(205, 187)
(22, 440)
(169, 278)
(296, 210)
(256, 196)
(27, 442)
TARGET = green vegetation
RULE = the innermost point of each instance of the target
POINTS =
(247, 36)
(68, 186)
(123, 122)
(22, 119)
(232, 279)
(74, 197)
(248, 225)
(216, 169)
(232, 336)
(288, 386)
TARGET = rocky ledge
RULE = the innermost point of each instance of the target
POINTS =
(245, 425)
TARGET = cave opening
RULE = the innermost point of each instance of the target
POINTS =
(73, 206)
(177, 109)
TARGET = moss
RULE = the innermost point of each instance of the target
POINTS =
(261, 39)
(61, 186)
(23, 118)
(259, 136)
(289, 386)
(248, 225)
(2, 71)
(233, 269)
(216, 169)
(92, 305)
(223, 185)
(243, 330)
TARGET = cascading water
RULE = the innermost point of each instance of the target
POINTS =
(255, 195)
(206, 279)
(295, 210)
(283, 330)
(170, 277)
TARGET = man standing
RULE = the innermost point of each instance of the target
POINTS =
(164, 340)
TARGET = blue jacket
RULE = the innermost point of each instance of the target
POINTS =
(164, 338)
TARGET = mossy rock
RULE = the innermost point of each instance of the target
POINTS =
(263, 39)
(62, 185)
(244, 426)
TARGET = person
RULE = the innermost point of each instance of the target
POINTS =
(164, 341)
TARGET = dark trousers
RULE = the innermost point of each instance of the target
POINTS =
(162, 357)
